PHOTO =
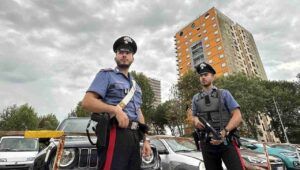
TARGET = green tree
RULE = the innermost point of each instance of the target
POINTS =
(80, 112)
(287, 97)
(147, 94)
(48, 122)
(18, 118)
(159, 119)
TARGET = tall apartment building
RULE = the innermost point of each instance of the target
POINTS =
(217, 40)
(265, 132)
(155, 85)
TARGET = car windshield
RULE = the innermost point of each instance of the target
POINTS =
(18, 144)
(181, 145)
(75, 125)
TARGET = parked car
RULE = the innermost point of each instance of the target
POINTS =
(181, 153)
(256, 160)
(289, 158)
(78, 153)
(177, 153)
(16, 152)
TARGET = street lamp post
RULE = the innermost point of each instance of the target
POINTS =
(284, 129)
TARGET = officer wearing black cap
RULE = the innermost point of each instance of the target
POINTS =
(222, 112)
(105, 94)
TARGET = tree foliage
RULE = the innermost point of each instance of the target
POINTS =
(18, 118)
(48, 122)
(147, 94)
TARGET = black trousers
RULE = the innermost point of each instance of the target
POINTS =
(124, 153)
(214, 154)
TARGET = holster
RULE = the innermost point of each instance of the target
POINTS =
(102, 128)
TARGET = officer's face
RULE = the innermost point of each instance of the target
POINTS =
(206, 78)
(124, 59)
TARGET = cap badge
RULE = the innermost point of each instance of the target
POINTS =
(202, 65)
(127, 39)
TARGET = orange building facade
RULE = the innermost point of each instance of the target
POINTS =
(217, 40)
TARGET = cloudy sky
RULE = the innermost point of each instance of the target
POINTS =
(50, 50)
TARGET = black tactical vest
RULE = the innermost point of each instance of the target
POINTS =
(211, 108)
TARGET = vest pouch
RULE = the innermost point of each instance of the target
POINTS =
(204, 115)
(215, 119)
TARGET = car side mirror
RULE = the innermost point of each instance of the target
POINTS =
(163, 151)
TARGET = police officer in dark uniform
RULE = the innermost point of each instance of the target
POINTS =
(220, 109)
(109, 87)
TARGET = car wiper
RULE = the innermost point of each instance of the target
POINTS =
(184, 150)
(8, 149)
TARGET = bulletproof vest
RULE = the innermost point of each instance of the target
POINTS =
(212, 109)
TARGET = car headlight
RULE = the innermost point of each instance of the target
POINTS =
(252, 159)
(201, 166)
(148, 159)
(30, 159)
(67, 157)
(289, 154)
(296, 164)
(3, 160)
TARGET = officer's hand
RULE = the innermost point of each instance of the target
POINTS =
(223, 135)
(216, 142)
(146, 149)
(198, 124)
(121, 116)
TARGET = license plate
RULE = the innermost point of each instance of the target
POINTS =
(278, 168)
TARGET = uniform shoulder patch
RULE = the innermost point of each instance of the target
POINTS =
(106, 70)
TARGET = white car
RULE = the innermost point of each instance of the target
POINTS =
(17, 152)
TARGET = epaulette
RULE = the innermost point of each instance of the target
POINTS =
(107, 70)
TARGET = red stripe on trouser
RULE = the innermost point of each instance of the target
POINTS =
(111, 148)
(239, 154)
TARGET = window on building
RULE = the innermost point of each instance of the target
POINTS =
(186, 43)
(210, 61)
(185, 36)
(190, 33)
(181, 33)
(216, 32)
(186, 49)
(206, 16)
(220, 48)
(199, 35)
(206, 38)
(212, 18)
(221, 56)
(218, 39)
(197, 53)
(225, 74)
(191, 40)
(223, 64)
(188, 56)
(209, 53)
(207, 45)
(203, 25)
(193, 25)
(214, 25)
(179, 47)
(198, 28)
(237, 48)
(204, 31)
